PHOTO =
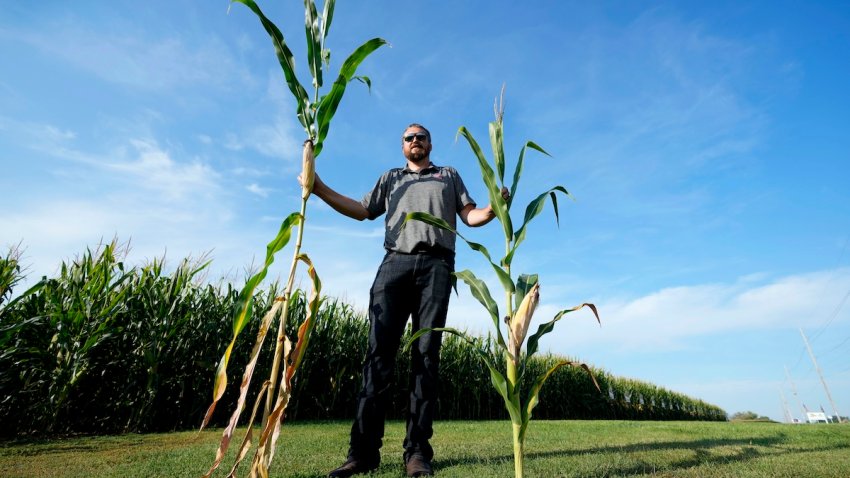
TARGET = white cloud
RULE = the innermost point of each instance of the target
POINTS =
(31, 132)
(138, 162)
(669, 318)
(122, 53)
(137, 191)
(276, 140)
(251, 172)
(258, 190)
(154, 168)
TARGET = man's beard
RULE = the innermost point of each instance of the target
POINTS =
(417, 156)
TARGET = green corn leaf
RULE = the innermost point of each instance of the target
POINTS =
(497, 202)
(421, 332)
(503, 276)
(482, 293)
(330, 102)
(327, 17)
(366, 81)
(533, 341)
(519, 164)
(497, 143)
(500, 383)
(534, 209)
(523, 284)
(287, 62)
(314, 41)
(534, 393)
(244, 305)
(32, 290)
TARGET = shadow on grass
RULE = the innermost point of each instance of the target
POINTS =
(706, 452)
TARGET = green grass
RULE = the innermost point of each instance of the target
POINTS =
(466, 449)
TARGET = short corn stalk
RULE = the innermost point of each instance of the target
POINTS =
(315, 115)
(521, 296)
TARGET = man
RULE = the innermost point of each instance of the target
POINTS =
(413, 280)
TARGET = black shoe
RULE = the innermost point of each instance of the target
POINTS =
(417, 465)
(353, 466)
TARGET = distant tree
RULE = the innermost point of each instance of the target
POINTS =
(748, 415)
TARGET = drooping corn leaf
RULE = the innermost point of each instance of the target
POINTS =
(500, 383)
(506, 390)
(547, 327)
(534, 208)
(314, 42)
(497, 202)
(249, 435)
(292, 358)
(523, 284)
(330, 102)
(480, 291)
(244, 306)
(271, 428)
(366, 81)
(307, 326)
(503, 276)
(519, 164)
(533, 394)
(287, 63)
(227, 435)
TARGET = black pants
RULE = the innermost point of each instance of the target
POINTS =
(406, 285)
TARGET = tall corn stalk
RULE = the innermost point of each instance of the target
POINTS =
(11, 272)
(521, 297)
(315, 115)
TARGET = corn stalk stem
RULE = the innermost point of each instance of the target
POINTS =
(281, 330)
(511, 369)
(518, 451)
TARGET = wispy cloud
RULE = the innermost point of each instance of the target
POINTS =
(669, 319)
(258, 190)
(32, 133)
(136, 190)
(135, 162)
(277, 139)
(121, 53)
(654, 105)
(154, 168)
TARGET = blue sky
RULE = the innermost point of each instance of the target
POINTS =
(707, 149)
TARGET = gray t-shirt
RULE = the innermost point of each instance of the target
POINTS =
(437, 190)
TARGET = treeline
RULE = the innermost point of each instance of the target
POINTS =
(107, 348)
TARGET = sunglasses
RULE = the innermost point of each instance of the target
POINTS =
(410, 137)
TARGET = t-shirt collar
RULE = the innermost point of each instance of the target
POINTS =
(430, 168)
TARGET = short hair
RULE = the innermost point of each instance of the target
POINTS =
(417, 125)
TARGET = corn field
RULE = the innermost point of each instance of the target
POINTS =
(104, 347)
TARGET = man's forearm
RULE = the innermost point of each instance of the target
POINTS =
(480, 216)
(341, 204)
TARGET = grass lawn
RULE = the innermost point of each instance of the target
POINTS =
(469, 449)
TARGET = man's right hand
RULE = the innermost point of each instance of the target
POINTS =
(317, 183)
